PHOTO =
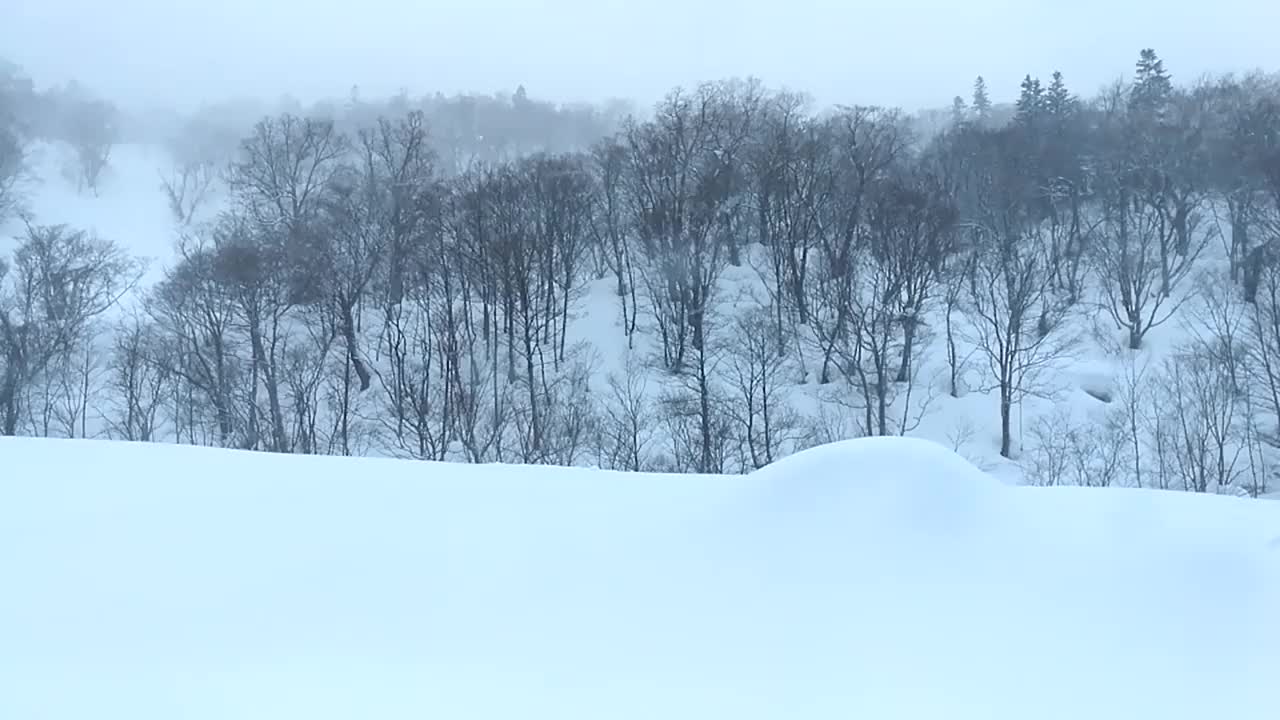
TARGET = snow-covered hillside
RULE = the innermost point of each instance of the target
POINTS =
(875, 578)
(130, 208)
(1070, 290)
(1079, 396)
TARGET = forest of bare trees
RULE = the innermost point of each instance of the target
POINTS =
(375, 285)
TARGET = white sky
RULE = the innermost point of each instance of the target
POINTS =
(895, 52)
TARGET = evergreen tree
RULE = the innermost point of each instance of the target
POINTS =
(1152, 86)
(1063, 131)
(1058, 101)
(981, 101)
(959, 110)
(1031, 101)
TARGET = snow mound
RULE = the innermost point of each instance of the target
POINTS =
(880, 578)
(880, 460)
(879, 483)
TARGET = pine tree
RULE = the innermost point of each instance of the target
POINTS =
(1031, 101)
(959, 111)
(981, 102)
(1059, 102)
(1152, 86)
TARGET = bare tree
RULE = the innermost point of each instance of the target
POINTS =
(1134, 402)
(92, 129)
(58, 400)
(1050, 463)
(871, 341)
(354, 255)
(138, 381)
(1014, 320)
(560, 194)
(629, 427)
(519, 257)
(792, 185)
(957, 280)
(1264, 341)
(766, 421)
(911, 230)
(682, 166)
(484, 412)
(867, 143)
(400, 171)
(61, 280)
(75, 382)
(572, 415)
(952, 163)
(307, 362)
(1085, 455)
(198, 149)
(1256, 147)
(1205, 439)
(372, 215)
(279, 178)
(198, 314)
(249, 266)
(1002, 304)
(186, 187)
(418, 413)
(611, 229)
(696, 428)
(1143, 255)
(510, 230)
(1231, 335)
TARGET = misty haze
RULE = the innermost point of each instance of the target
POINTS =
(630, 360)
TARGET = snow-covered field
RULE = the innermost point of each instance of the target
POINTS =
(876, 578)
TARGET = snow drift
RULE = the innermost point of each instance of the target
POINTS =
(876, 578)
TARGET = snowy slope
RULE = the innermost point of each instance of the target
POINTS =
(131, 209)
(877, 578)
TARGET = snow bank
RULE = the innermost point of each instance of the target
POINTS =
(881, 578)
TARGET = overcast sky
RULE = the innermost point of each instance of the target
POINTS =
(911, 53)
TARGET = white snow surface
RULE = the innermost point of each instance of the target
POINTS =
(873, 578)
(130, 208)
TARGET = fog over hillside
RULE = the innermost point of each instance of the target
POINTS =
(913, 54)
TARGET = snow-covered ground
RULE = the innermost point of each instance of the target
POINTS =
(875, 578)
(129, 209)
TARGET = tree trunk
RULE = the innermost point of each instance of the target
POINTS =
(908, 341)
(535, 419)
(1006, 432)
(349, 339)
(1182, 230)
(1254, 263)
(9, 407)
(260, 359)
(704, 415)
(1239, 236)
